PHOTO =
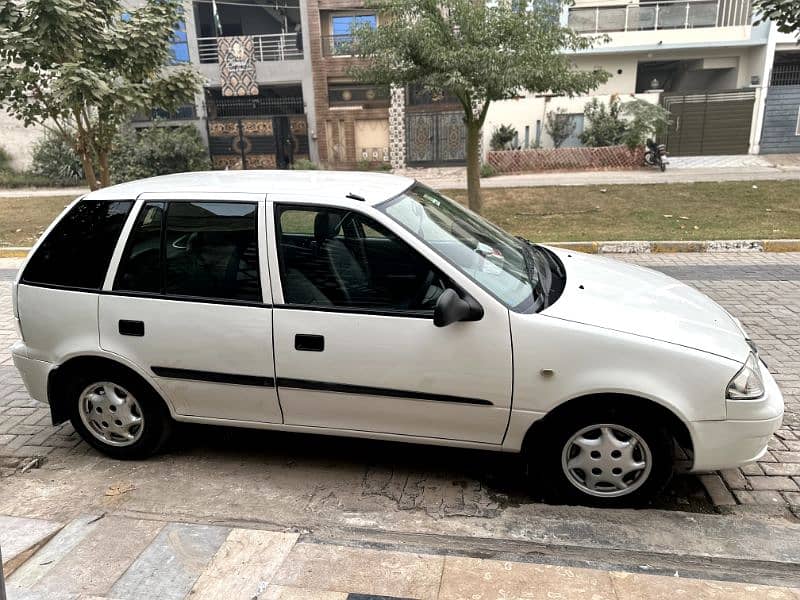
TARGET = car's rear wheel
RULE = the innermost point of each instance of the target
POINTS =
(118, 413)
(608, 458)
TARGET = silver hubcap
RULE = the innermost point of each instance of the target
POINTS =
(606, 460)
(111, 414)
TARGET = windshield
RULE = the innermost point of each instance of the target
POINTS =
(489, 256)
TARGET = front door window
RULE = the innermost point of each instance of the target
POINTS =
(339, 258)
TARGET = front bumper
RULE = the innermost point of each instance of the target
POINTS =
(742, 438)
(34, 373)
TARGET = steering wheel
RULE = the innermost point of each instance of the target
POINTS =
(423, 290)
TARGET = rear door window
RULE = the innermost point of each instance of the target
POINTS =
(193, 249)
(77, 252)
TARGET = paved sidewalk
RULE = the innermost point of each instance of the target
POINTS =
(115, 557)
(38, 192)
(455, 177)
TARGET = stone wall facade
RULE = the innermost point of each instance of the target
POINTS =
(588, 159)
(397, 127)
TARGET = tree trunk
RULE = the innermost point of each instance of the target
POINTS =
(105, 173)
(83, 148)
(88, 170)
(474, 166)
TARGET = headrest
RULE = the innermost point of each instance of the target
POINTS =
(326, 225)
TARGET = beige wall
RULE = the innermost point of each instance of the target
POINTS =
(525, 112)
(18, 140)
(372, 139)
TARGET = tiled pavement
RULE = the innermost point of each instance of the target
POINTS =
(121, 558)
(761, 289)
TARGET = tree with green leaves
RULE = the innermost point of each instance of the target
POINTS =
(476, 51)
(82, 68)
(784, 13)
(643, 120)
(502, 137)
(559, 125)
(604, 123)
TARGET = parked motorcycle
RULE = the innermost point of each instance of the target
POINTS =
(655, 155)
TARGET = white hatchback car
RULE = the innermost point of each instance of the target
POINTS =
(369, 305)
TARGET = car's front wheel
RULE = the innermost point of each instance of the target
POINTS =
(608, 458)
(118, 414)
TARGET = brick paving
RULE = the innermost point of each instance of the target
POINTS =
(761, 289)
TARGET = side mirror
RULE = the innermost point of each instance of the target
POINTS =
(450, 308)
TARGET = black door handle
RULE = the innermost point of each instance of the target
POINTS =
(309, 343)
(134, 328)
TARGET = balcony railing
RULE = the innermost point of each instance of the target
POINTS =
(266, 47)
(785, 75)
(652, 16)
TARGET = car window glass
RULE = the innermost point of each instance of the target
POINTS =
(140, 267)
(211, 250)
(341, 258)
(487, 255)
(77, 252)
(297, 221)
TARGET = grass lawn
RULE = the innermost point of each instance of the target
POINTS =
(22, 220)
(691, 211)
(677, 211)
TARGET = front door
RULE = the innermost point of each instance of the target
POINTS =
(355, 344)
(186, 305)
(266, 142)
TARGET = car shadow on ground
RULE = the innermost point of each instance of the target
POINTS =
(490, 478)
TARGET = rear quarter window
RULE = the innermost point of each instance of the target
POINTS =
(77, 252)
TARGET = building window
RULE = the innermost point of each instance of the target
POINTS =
(185, 112)
(342, 27)
(366, 96)
(180, 45)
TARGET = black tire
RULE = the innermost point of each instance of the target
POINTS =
(663, 166)
(561, 430)
(157, 422)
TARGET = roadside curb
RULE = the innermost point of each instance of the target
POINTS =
(642, 247)
(633, 247)
(14, 252)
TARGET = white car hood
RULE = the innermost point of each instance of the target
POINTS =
(615, 295)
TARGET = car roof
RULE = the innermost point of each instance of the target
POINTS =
(318, 185)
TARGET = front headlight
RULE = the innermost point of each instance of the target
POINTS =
(747, 384)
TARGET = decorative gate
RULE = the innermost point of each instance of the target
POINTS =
(709, 123)
(258, 142)
(437, 138)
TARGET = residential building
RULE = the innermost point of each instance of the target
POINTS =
(704, 60)
(352, 119)
(256, 109)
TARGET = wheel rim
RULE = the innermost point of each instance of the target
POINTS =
(606, 460)
(111, 414)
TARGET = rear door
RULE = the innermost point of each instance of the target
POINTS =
(190, 303)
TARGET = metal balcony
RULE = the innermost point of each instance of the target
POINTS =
(266, 47)
(785, 75)
(653, 16)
